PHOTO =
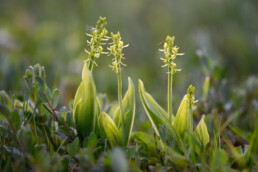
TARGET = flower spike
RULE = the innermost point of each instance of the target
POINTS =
(116, 49)
(98, 35)
(170, 52)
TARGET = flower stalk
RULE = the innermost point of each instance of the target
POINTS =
(120, 99)
(116, 50)
(170, 52)
(170, 81)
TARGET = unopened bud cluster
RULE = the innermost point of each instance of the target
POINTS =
(170, 52)
(116, 49)
(97, 36)
(190, 94)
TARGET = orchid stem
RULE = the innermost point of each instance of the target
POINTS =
(120, 93)
(170, 81)
(91, 65)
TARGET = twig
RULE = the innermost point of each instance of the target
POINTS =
(14, 132)
(53, 110)
(56, 117)
(49, 136)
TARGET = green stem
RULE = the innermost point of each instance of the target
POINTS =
(170, 80)
(91, 65)
(190, 115)
(120, 93)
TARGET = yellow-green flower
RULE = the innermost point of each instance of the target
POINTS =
(98, 35)
(116, 49)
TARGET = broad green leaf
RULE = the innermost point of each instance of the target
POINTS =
(73, 147)
(180, 160)
(5, 111)
(219, 159)
(156, 114)
(129, 113)
(201, 134)
(107, 125)
(97, 112)
(184, 118)
(206, 86)
(69, 119)
(113, 110)
(148, 143)
(55, 98)
(84, 110)
(4, 129)
(41, 83)
(15, 119)
(171, 137)
(143, 137)
(78, 94)
(91, 141)
(5, 99)
(63, 114)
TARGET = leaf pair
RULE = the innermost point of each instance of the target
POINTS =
(201, 134)
(183, 122)
(118, 133)
(86, 106)
(156, 114)
(87, 116)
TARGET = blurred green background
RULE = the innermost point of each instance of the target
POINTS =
(52, 33)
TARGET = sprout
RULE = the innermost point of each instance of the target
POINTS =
(190, 94)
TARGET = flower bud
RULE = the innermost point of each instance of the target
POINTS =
(184, 118)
